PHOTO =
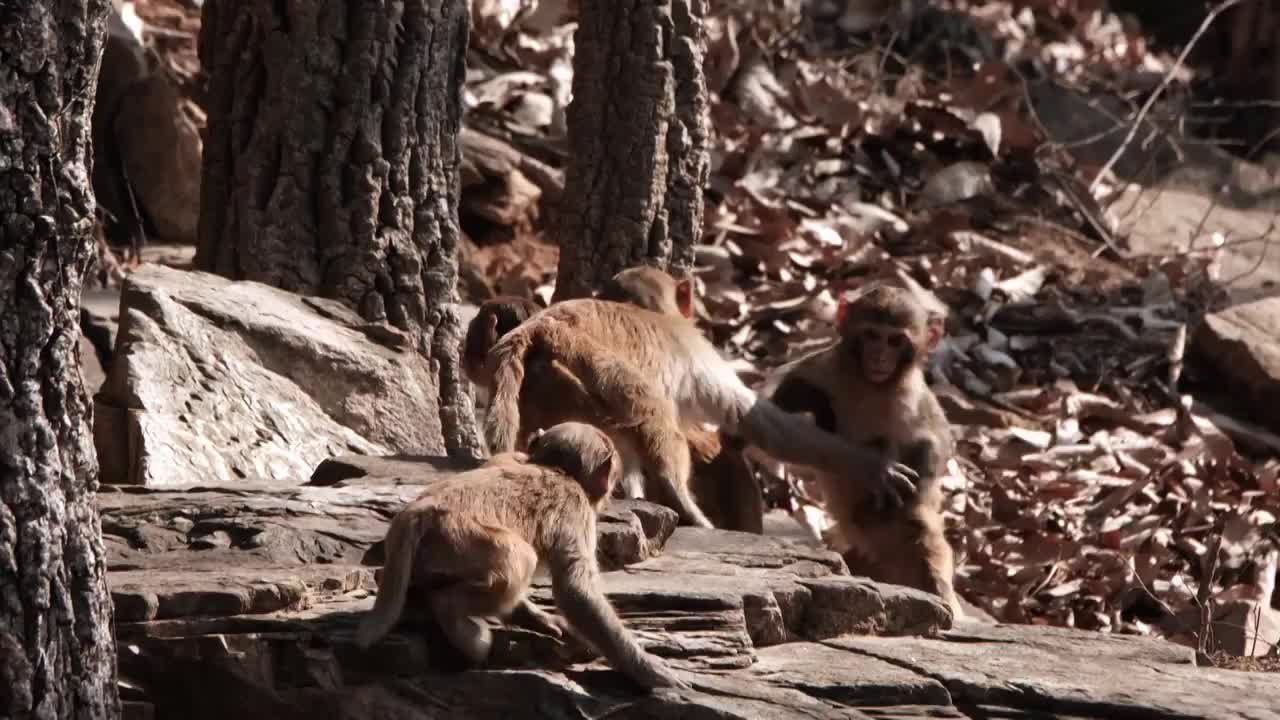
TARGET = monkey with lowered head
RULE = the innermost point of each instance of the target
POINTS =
(474, 541)
(650, 375)
(870, 388)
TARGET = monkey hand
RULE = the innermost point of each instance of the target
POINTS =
(892, 484)
(553, 625)
(538, 620)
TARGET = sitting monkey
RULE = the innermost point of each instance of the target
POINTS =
(870, 388)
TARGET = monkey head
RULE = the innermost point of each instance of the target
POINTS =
(886, 331)
(583, 452)
(495, 318)
(652, 289)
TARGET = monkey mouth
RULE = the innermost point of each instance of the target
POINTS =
(879, 374)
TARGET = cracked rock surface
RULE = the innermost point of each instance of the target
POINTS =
(238, 382)
(243, 600)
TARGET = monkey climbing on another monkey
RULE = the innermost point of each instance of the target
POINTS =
(870, 388)
(649, 375)
(721, 479)
(723, 483)
(473, 541)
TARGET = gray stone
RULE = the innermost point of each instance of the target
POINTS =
(91, 371)
(99, 322)
(1065, 672)
(232, 382)
(244, 601)
(1242, 345)
(845, 677)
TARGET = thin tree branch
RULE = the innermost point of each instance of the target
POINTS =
(1164, 83)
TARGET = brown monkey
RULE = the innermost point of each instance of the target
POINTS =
(555, 395)
(475, 540)
(722, 482)
(652, 289)
(650, 375)
(494, 319)
(870, 388)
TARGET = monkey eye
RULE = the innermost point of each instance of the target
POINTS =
(870, 334)
(896, 341)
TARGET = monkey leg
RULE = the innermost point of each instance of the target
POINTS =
(631, 483)
(640, 418)
(724, 486)
(664, 455)
(496, 568)
(908, 548)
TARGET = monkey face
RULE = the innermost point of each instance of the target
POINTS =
(883, 352)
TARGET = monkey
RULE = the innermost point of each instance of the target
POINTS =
(649, 375)
(475, 540)
(869, 387)
(650, 288)
(495, 318)
(554, 396)
(722, 481)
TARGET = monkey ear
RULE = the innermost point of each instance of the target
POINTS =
(684, 296)
(599, 485)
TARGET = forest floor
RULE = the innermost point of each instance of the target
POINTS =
(1086, 494)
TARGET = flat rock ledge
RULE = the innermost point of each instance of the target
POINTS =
(242, 601)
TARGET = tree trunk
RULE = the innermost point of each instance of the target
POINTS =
(638, 128)
(331, 164)
(57, 656)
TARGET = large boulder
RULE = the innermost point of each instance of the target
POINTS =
(1242, 344)
(214, 381)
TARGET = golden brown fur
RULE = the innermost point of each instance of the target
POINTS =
(651, 375)
(722, 482)
(494, 319)
(476, 539)
(870, 388)
(650, 288)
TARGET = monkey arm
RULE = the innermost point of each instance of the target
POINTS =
(928, 456)
(797, 395)
(575, 583)
(932, 445)
(787, 437)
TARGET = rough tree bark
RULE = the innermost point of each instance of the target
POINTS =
(638, 128)
(57, 655)
(331, 164)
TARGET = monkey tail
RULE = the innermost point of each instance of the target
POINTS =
(399, 548)
(502, 426)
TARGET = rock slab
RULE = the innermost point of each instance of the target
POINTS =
(1242, 345)
(236, 382)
